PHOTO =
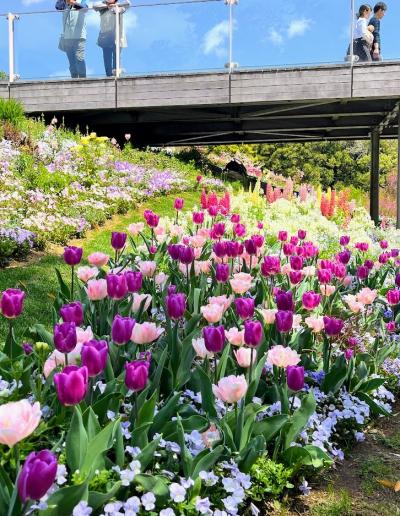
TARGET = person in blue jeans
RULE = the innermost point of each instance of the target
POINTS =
(107, 35)
(73, 37)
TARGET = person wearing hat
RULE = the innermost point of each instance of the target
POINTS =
(73, 37)
(109, 10)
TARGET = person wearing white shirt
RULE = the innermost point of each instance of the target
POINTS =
(362, 37)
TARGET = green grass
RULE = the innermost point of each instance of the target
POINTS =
(371, 470)
(38, 278)
(392, 442)
(336, 504)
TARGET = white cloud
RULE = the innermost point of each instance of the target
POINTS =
(215, 40)
(32, 2)
(275, 37)
(298, 27)
(129, 20)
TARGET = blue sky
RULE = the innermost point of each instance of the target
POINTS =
(194, 37)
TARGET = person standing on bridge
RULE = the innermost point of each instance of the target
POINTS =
(73, 37)
(363, 37)
(379, 12)
(109, 10)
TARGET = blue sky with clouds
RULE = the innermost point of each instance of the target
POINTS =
(194, 37)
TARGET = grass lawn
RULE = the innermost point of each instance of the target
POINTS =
(37, 277)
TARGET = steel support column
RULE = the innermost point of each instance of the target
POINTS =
(374, 188)
(398, 175)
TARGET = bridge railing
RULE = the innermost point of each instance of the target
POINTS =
(165, 36)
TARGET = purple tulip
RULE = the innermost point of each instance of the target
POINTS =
(333, 326)
(395, 253)
(176, 305)
(239, 230)
(310, 250)
(244, 307)
(271, 266)
(282, 236)
(362, 272)
(134, 280)
(397, 280)
(302, 234)
(369, 264)
(344, 256)
(198, 217)
(118, 240)
(218, 230)
(151, 218)
(284, 320)
(384, 257)
(326, 264)
(284, 300)
(352, 342)
(250, 247)
(171, 289)
(11, 302)
(28, 348)
(214, 338)
(295, 377)
(235, 218)
(253, 333)
(348, 353)
(174, 251)
(178, 203)
(121, 329)
(37, 475)
(94, 355)
(310, 300)
(324, 275)
(234, 249)
(65, 337)
(71, 384)
(295, 277)
(288, 249)
(296, 263)
(73, 312)
(339, 270)
(258, 240)
(137, 374)
(344, 240)
(186, 254)
(72, 255)
(220, 249)
(222, 272)
(393, 297)
(117, 287)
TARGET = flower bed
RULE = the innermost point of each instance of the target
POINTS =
(60, 187)
(207, 365)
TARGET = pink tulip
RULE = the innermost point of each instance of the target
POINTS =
(138, 300)
(230, 389)
(224, 301)
(316, 324)
(354, 305)
(212, 313)
(269, 315)
(235, 336)
(145, 333)
(96, 289)
(83, 335)
(200, 348)
(18, 420)
(280, 356)
(327, 290)
(86, 273)
(244, 357)
(57, 359)
(136, 228)
(347, 281)
(147, 268)
(98, 259)
(366, 296)
(241, 282)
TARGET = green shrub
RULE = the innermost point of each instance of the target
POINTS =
(11, 111)
(269, 479)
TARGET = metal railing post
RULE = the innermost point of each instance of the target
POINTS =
(352, 32)
(11, 54)
(117, 42)
(231, 65)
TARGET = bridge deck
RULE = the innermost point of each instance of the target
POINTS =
(262, 105)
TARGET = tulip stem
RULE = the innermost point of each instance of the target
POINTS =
(135, 396)
(25, 507)
(17, 461)
(215, 368)
(72, 283)
(66, 358)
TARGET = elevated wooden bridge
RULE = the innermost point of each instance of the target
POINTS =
(329, 102)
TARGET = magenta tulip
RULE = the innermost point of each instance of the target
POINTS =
(37, 475)
(220, 249)
(284, 300)
(250, 246)
(71, 384)
(11, 302)
(244, 307)
(214, 338)
(65, 338)
(178, 203)
(118, 240)
(284, 320)
(324, 276)
(121, 329)
(344, 240)
(134, 281)
(222, 272)
(282, 236)
(94, 355)
(176, 305)
(310, 300)
(186, 255)
(72, 255)
(302, 234)
(198, 217)
(362, 272)
(137, 374)
(117, 287)
(151, 218)
(253, 333)
(270, 266)
(296, 263)
(73, 312)
(333, 326)
(393, 297)
(295, 377)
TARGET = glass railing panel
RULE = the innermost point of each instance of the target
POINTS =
(3, 48)
(290, 33)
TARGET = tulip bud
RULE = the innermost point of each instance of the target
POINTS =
(214, 338)
(344, 240)
(37, 475)
(222, 272)
(393, 297)
(176, 305)
(151, 218)
(71, 384)
(295, 377)
(302, 234)
(178, 203)
(220, 249)
(121, 329)
(134, 280)
(250, 247)
(73, 312)
(186, 255)
(284, 300)
(198, 218)
(11, 303)
(244, 307)
(333, 326)
(137, 374)
(65, 338)
(324, 275)
(284, 320)
(72, 255)
(118, 240)
(94, 355)
(117, 287)
(253, 333)
(282, 236)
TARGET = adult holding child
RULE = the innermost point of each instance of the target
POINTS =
(363, 37)
(109, 10)
(73, 36)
